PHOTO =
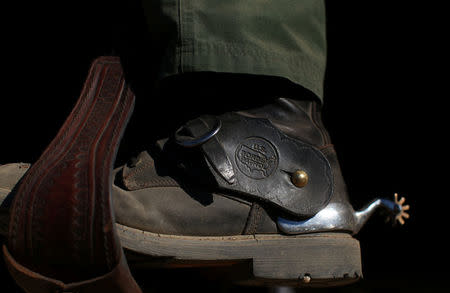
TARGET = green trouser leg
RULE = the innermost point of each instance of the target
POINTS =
(282, 38)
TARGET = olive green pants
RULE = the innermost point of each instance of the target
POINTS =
(282, 38)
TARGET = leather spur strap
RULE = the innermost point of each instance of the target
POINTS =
(62, 236)
(251, 157)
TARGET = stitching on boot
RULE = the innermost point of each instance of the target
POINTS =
(326, 146)
(160, 182)
(137, 170)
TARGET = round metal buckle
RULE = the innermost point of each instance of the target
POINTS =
(189, 142)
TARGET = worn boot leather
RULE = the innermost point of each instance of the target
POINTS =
(171, 189)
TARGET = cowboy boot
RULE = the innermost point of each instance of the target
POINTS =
(261, 185)
(61, 230)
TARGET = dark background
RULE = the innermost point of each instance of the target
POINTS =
(384, 107)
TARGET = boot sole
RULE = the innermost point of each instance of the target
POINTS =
(316, 260)
(328, 259)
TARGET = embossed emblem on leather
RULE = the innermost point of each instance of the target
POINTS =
(256, 158)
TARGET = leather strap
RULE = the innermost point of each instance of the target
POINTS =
(214, 152)
(252, 157)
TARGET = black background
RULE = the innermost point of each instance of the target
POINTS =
(384, 107)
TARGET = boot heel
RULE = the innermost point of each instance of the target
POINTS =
(307, 260)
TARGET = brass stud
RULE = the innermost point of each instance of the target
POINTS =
(299, 178)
